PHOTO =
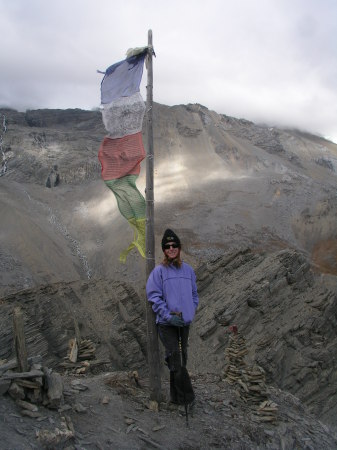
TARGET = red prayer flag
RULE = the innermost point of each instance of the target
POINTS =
(122, 156)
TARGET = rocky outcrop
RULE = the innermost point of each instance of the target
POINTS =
(223, 184)
(109, 313)
(285, 313)
(53, 179)
(37, 140)
(264, 137)
(69, 118)
(243, 184)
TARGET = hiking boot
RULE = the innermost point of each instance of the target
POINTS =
(172, 406)
(190, 409)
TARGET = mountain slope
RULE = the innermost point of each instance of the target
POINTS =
(220, 182)
(256, 210)
(284, 311)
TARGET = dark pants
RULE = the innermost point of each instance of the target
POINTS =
(170, 338)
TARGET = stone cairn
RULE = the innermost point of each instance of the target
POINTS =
(250, 380)
(81, 352)
(30, 383)
(34, 387)
(81, 357)
(26, 380)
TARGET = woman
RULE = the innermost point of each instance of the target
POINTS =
(172, 291)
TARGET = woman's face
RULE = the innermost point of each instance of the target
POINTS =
(171, 250)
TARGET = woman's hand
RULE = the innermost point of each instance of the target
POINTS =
(176, 321)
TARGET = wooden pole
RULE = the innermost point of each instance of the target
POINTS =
(152, 334)
(19, 340)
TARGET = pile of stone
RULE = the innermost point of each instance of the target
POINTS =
(234, 356)
(253, 384)
(81, 351)
(25, 379)
(267, 411)
(122, 378)
(36, 386)
(127, 384)
(87, 350)
(250, 380)
(59, 437)
(81, 367)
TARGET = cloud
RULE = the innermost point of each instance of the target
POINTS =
(262, 60)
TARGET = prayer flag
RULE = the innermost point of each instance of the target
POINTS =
(122, 151)
(121, 157)
(124, 116)
(122, 79)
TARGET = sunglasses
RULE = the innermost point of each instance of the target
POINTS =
(168, 246)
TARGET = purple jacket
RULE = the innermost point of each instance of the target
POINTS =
(170, 289)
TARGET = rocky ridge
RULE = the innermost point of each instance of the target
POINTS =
(284, 311)
(286, 314)
(256, 209)
(243, 185)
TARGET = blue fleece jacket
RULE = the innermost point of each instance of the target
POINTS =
(172, 289)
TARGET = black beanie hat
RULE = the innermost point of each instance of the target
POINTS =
(169, 236)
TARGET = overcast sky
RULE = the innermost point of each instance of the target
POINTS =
(270, 61)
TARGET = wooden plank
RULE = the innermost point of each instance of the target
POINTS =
(77, 332)
(16, 375)
(19, 340)
(73, 351)
(28, 384)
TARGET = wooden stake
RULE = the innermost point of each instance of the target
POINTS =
(152, 335)
(73, 351)
(77, 332)
(19, 340)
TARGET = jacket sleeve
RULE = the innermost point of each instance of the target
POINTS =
(195, 291)
(155, 295)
